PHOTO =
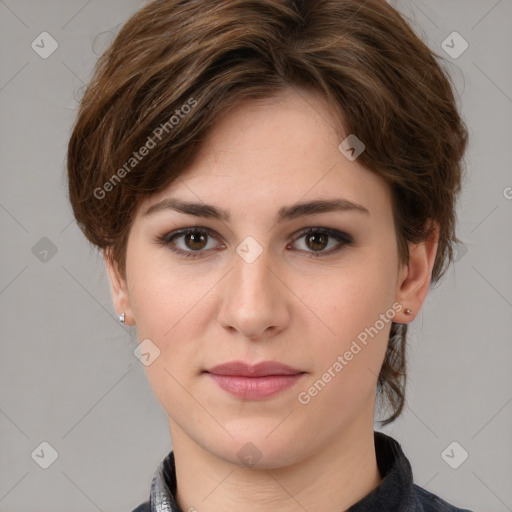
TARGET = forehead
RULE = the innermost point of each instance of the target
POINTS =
(276, 150)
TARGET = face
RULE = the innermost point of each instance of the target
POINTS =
(266, 281)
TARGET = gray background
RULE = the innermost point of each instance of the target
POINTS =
(68, 375)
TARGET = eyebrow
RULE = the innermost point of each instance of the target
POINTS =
(285, 213)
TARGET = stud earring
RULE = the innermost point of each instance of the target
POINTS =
(122, 317)
(408, 311)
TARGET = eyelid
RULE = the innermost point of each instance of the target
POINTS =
(341, 237)
(334, 233)
(191, 229)
(167, 238)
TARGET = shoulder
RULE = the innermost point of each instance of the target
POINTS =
(428, 502)
(144, 507)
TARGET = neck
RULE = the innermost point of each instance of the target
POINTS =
(332, 479)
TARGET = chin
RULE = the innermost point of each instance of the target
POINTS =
(256, 449)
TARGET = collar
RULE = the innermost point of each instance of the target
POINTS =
(395, 492)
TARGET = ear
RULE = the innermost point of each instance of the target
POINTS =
(118, 289)
(415, 277)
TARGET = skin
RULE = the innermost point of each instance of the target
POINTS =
(284, 306)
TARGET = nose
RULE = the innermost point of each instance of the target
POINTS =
(255, 299)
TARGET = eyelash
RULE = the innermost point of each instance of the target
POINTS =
(167, 240)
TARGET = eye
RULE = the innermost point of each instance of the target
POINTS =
(193, 241)
(317, 239)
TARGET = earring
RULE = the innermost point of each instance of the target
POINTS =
(408, 311)
(122, 317)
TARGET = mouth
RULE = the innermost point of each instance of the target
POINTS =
(263, 369)
(254, 382)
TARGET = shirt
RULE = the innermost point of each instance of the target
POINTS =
(396, 492)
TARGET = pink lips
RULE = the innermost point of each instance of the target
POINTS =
(255, 382)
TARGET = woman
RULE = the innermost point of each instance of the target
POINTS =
(273, 186)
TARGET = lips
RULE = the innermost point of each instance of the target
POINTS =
(265, 368)
(256, 382)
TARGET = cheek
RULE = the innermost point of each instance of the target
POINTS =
(357, 306)
(161, 302)
(167, 306)
(354, 297)
(168, 301)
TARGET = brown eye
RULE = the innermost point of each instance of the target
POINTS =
(317, 241)
(191, 242)
(196, 241)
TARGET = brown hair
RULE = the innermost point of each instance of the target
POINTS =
(177, 65)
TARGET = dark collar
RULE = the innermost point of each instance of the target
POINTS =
(395, 492)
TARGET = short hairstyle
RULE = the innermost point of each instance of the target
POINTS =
(176, 66)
